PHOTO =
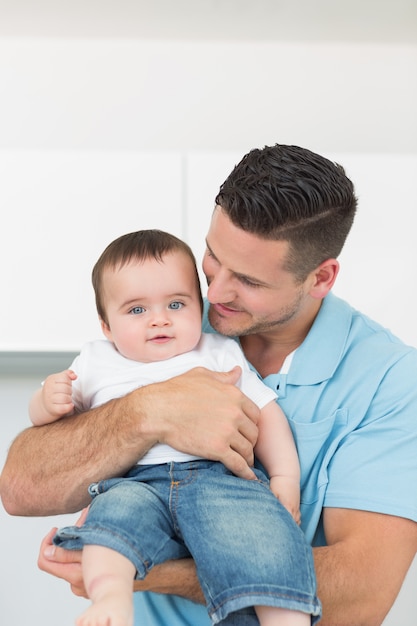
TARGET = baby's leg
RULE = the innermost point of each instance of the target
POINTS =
(108, 579)
(273, 616)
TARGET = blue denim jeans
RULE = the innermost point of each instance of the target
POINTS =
(246, 546)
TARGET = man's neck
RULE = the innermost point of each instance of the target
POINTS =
(266, 356)
(268, 351)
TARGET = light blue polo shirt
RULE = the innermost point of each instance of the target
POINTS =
(350, 396)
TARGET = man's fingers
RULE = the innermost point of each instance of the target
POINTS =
(217, 421)
(252, 411)
(49, 554)
(80, 521)
(47, 540)
(65, 564)
(237, 464)
(231, 377)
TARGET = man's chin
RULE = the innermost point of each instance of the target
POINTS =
(222, 325)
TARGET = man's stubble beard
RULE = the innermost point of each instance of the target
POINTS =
(286, 315)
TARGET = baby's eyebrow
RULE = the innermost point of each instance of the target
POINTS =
(179, 295)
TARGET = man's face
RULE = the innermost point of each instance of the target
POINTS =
(249, 291)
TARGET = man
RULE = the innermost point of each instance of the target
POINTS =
(346, 385)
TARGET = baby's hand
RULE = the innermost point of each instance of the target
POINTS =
(57, 394)
(287, 490)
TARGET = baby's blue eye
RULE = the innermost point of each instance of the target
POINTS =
(176, 305)
(136, 310)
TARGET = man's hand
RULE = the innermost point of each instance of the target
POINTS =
(203, 413)
(172, 577)
(65, 564)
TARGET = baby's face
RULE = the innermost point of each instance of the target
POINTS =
(153, 307)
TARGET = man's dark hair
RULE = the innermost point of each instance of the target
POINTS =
(289, 193)
(137, 246)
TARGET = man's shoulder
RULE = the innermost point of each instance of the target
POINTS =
(207, 328)
(358, 327)
(343, 337)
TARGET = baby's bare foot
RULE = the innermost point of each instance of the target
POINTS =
(107, 612)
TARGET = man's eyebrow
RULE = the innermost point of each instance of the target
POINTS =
(210, 250)
(251, 279)
(247, 277)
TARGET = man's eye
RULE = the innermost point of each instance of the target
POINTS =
(249, 283)
(136, 310)
(176, 305)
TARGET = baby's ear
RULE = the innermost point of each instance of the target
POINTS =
(106, 329)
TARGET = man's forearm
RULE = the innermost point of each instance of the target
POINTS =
(348, 588)
(49, 468)
(178, 578)
(203, 413)
(352, 580)
(329, 586)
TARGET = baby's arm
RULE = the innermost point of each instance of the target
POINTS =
(276, 451)
(53, 400)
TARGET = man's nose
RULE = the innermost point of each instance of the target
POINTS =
(220, 289)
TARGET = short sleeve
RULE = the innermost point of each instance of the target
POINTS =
(375, 465)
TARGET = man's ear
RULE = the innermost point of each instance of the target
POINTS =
(323, 278)
(106, 329)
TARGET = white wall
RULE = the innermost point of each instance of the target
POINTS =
(119, 116)
(98, 137)
(63, 208)
(191, 95)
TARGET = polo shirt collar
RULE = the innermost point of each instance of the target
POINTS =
(317, 358)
